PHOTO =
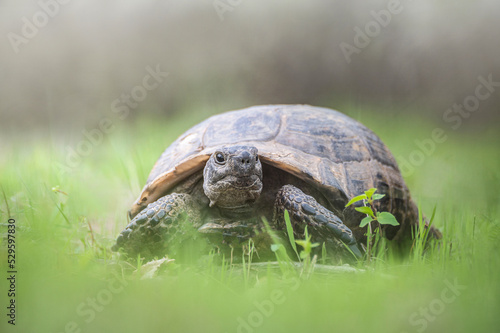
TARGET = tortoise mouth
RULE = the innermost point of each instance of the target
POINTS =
(234, 194)
(245, 182)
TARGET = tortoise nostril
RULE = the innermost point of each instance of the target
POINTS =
(245, 158)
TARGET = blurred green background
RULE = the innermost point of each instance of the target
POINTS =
(423, 57)
(91, 93)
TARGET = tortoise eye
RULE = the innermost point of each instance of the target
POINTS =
(219, 158)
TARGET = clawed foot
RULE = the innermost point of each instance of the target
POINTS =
(304, 210)
(158, 222)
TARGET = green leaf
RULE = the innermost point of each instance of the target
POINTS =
(301, 242)
(386, 218)
(378, 196)
(365, 210)
(306, 234)
(365, 221)
(370, 192)
(432, 216)
(323, 253)
(356, 199)
(306, 244)
(289, 231)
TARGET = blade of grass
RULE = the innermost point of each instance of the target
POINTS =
(289, 231)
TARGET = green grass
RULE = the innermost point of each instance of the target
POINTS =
(62, 266)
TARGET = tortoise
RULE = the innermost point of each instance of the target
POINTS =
(230, 170)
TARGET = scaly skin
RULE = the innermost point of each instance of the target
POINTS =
(158, 222)
(304, 210)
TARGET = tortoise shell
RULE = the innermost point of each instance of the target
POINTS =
(327, 149)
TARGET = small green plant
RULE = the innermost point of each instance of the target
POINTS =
(379, 218)
(278, 248)
(247, 252)
(307, 246)
(60, 206)
(289, 231)
(420, 235)
(305, 255)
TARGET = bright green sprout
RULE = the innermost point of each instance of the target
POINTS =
(381, 217)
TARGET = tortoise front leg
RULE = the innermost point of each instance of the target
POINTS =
(159, 221)
(305, 210)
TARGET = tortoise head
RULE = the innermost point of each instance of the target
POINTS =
(233, 177)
